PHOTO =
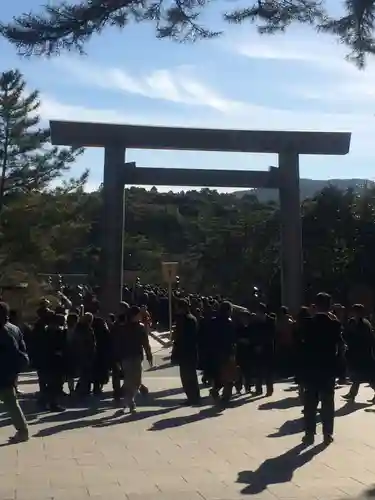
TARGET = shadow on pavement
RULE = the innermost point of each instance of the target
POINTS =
(295, 426)
(236, 402)
(350, 407)
(370, 492)
(77, 411)
(289, 428)
(155, 368)
(169, 423)
(212, 411)
(119, 418)
(165, 393)
(278, 469)
(70, 414)
(63, 427)
(282, 404)
(105, 421)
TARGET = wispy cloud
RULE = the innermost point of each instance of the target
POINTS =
(338, 82)
(299, 47)
(178, 85)
(266, 48)
(56, 109)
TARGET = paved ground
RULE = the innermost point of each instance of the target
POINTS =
(169, 452)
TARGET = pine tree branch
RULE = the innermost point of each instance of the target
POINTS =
(70, 25)
(277, 15)
(356, 29)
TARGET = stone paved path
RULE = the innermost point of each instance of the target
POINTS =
(167, 452)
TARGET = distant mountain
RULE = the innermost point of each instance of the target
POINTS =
(310, 187)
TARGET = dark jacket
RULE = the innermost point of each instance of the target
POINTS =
(130, 340)
(55, 349)
(103, 350)
(13, 356)
(84, 347)
(321, 348)
(185, 344)
(264, 332)
(224, 339)
(361, 350)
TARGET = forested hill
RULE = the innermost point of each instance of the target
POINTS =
(223, 243)
(310, 187)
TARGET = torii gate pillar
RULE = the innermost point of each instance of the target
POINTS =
(112, 237)
(290, 232)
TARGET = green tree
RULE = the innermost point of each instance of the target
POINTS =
(69, 25)
(45, 231)
(28, 161)
(224, 243)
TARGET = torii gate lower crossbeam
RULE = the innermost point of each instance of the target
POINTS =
(117, 138)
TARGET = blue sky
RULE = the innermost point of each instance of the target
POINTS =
(296, 81)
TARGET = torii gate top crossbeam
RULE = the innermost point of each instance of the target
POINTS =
(65, 133)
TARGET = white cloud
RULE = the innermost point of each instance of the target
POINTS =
(298, 45)
(53, 109)
(338, 80)
(178, 85)
(161, 84)
(266, 48)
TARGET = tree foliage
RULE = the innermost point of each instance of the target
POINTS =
(70, 24)
(224, 243)
(39, 223)
(227, 244)
(28, 162)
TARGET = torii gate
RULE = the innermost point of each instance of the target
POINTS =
(116, 139)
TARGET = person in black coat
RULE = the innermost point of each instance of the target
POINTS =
(185, 350)
(320, 352)
(223, 344)
(244, 352)
(55, 361)
(360, 355)
(102, 362)
(205, 335)
(13, 359)
(264, 329)
(40, 352)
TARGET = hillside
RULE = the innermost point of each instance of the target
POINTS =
(310, 187)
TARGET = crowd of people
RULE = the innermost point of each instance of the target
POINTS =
(75, 352)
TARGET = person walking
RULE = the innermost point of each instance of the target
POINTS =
(185, 349)
(13, 359)
(130, 344)
(360, 355)
(320, 361)
(223, 343)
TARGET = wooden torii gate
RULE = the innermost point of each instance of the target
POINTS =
(116, 139)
